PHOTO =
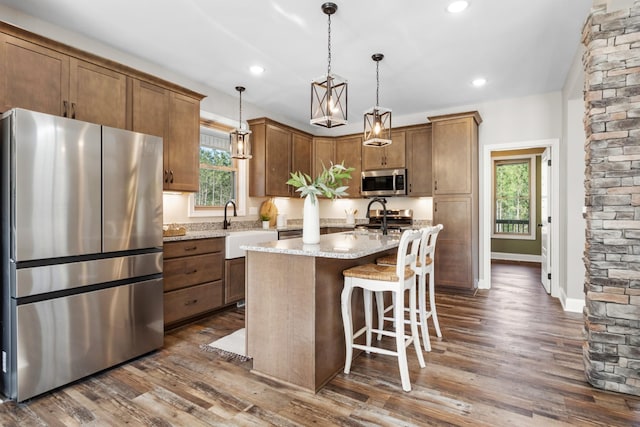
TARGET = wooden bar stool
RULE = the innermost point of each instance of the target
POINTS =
(424, 266)
(379, 278)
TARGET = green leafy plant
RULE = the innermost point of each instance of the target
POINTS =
(265, 217)
(330, 182)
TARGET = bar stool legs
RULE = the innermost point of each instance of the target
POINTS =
(376, 279)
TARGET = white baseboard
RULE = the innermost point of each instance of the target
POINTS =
(574, 305)
(516, 257)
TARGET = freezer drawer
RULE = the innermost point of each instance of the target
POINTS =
(59, 277)
(61, 340)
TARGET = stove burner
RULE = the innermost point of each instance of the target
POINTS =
(397, 219)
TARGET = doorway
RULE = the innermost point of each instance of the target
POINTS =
(486, 206)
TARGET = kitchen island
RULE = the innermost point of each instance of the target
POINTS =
(293, 318)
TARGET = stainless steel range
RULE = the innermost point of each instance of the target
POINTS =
(397, 219)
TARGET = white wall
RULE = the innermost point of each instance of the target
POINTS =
(573, 238)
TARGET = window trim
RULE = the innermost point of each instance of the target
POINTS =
(533, 191)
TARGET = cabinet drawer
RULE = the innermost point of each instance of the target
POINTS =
(188, 271)
(189, 302)
(193, 247)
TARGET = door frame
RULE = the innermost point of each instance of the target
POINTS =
(485, 208)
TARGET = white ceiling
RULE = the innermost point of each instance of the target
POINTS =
(521, 47)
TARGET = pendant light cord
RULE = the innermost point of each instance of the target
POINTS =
(240, 115)
(329, 46)
(377, 82)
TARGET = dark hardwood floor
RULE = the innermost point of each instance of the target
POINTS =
(508, 357)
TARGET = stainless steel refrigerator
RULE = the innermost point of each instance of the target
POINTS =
(81, 249)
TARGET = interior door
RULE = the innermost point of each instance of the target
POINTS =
(545, 224)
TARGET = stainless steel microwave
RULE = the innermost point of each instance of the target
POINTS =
(384, 182)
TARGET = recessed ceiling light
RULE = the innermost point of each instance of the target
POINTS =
(457, 6)
(256, 69)
(479, 82)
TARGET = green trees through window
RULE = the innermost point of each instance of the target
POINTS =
(512, 196)
(217, 171)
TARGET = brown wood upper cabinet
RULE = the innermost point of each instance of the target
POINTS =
(345, 149)
(301, 153)
(175, 117)
(324, 153)
(97, 94)
(349, 151)
(419, 161)
(45, 80)
(388, 157)
(455, 155)
(278, 150)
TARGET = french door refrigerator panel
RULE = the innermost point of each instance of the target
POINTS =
(132, 198)
(56, 187)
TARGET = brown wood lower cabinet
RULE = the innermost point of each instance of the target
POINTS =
(193, 279)
(234, 280)
(457, 247)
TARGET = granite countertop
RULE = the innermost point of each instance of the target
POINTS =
(219, 232)
(345, 245)
(192, 235)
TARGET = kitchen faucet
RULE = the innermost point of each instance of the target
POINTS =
(226, 223)
(383, 202)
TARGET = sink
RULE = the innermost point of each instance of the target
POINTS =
(235, 239)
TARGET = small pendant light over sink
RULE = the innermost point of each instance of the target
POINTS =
(239, 138)
(329, 92)
(377, 121)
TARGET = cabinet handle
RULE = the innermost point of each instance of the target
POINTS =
(171, 174)
(166, 175)
(435, 207)
(65, 106)
(436, 184)
(409, 187)
(192, 272)
(190, 248)
(191, 302)
(73, 110)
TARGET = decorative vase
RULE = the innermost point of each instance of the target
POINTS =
(265, 224)
(311, 221)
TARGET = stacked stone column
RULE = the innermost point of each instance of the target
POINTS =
(611, 349)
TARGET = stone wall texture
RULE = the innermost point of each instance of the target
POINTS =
(611, 61)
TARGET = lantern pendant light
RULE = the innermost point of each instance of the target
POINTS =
(377, 121)
(329, 92)
(239, 138)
